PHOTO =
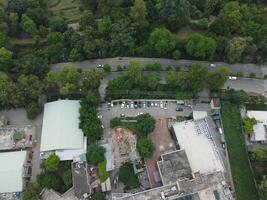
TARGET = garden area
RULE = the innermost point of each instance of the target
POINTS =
(241, 172)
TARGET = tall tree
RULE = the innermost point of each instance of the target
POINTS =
(198, 76)
(134, 72)
(138, 13)
(5, 59)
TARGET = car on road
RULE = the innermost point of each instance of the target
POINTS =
(122, 115)
(152, 104)
(100, 66)
(212, 65)
(232, 78)
(144, 104)
(161, 104)
(156, 104)
(123, 105)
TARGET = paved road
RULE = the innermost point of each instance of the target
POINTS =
(247, 69)
(246, 84)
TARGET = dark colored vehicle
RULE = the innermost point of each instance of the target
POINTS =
(179, 109)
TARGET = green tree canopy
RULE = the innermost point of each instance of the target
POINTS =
(263, 190)
(49, 181)
(67, 178)
(29, 26)
(5, 59)
(134, 72)
(145, 147)
(162, 41)
(96, 154)
(200, 46)
(138, 13)
(51, 164)
(127, 176)
(32, 191)
(259, 155)
(248, 124)
(146, 124)
(98, 196)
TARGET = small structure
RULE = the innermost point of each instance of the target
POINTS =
(197, 115)
(60, 132)
(15, 138)
(13, 171)
(259, 129)
(215, 104)
(109, 157)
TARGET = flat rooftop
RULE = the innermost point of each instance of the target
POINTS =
(195, 138)
(13, 137)
(174, 166)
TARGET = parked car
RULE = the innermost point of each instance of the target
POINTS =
(132, 105)
(144, 104)
(161, 104)
(179, 109)
(156, 104)
(123, 105)
(122, 115)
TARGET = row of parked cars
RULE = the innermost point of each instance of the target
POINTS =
(144, 104)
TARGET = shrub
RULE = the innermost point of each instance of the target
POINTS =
(176, 55)
(240, 74)
(153, 67)
(259, 155)
(252, 75)
(145, 147)
(107, 68)
(67, 178)
(33, 110)
(127, 176)
(115, 122)
(49, 181)
(51, 164)
(98, 196)
(119, 68)
(31, 192)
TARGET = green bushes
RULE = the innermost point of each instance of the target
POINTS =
(96, 154)
(51, 164)
(145, 147)
(103, 174)
(259, 155)
(248, 124)
(33, 110)
(127, 176)
(153, 67)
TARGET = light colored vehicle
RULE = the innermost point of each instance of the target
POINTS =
(232, 78)
(220, 131)
(123, 105)
(212, 65)
(152, 104)
(127, 106)
(156, 104)
(99, 116)
(111, 105)
(100, 66)
(122, 115)
(165, 106)
(102, 126)
(144, 104)
(132, 105)
(161, 104)
(141, 113)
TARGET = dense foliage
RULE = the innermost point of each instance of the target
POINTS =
(248, 124)
(96, 154)
(145, 147)
(51, 164)
(127, 176)
(258, 155)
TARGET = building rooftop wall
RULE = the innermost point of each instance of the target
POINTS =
(60, 129)
(11, 171)
(200, 149)
(260, 128)
(174, 166)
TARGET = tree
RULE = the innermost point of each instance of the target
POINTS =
(91, 79)
(218, 78)
(236, 47)
(145, 123)
(5, 59)
(259, 155)
(33, 110)
(176, 55)
(145, 147)
(198, 76)
(133, 72)
(67, 178)
(175, 12)
(107, 68)
(138, 13)
(96, 154)
(29, 26)
(87, 19)
(54, 37)
(161, 41)
(75, 55)
(13, 23)
(31, 192)
(49, 181)
(17, 6)
(107, 6)
(248, 124)
(200, 46)
(98, 196)
(263, 190)
(58, 25)
(51, 164)
(127, 176)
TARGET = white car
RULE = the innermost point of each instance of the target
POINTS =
(132, 105)
(232, 78)
(156, 104)
(161, 104)
(111, 105)
(144, 105)
(100, 66)
(122, 105)
(141, 113)
(99, 116)
(212, 65)
(152, 104)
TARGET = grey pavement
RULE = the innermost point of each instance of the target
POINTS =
(247, 69)
(18, 117)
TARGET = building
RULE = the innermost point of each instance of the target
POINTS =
(60, 132)
(215, 104)
(195, 138)
(259, 129)
(13, 171)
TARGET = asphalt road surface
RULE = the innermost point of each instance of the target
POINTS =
(247, 69)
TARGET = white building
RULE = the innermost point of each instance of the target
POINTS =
(12, 171)
(60, 131)
(194, 137)
(259, 129)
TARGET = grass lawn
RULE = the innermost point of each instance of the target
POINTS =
(68, 9)
(102, 171)
(242, 175)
